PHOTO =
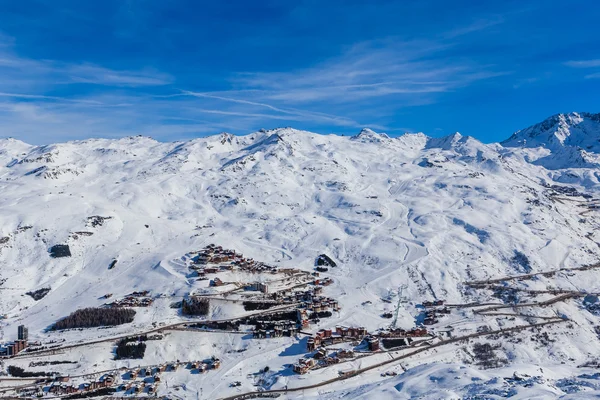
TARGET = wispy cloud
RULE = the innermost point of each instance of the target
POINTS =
(363, 85)
(478, 25)
(593, 76)
(368, 76)
(93, 74)
(586, 65)
(17, 71)
(583, 63)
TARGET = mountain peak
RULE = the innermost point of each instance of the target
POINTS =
(446, 142)
(369, 135)
(569, 139)
(570, 129)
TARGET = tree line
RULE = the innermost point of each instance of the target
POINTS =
(92, 317)
(21, 373)
(131, 348)
(195, 306)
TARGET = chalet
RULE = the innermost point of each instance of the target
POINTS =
(321, 353)
(217, 282)
(345, 354)
(331, 360)
(70, 389)
(304, 365)
(373, 343)
(302, 317)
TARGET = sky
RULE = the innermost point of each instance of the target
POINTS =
(180, 69)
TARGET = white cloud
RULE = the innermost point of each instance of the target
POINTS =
(593, 76)
(583, 63)
(89, 73)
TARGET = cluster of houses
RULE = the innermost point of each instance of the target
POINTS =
(436, 303)
(14, 348)
(151, 377)
(327, 337)
(132, 374)
(216, 255)
(135, 299)
(431, 316)
(258, 287)
(60, 385)
(138, 387)
(304, 365)
(213, 254)
(316, 303)
(323, 282)
(402, 333)
(341, 334)
(309, 307)
(203, 366)
(273, 329)
(322, 358)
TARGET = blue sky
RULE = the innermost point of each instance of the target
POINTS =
(179, 69)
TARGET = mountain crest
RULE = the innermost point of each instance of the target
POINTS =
(569, 140)
(367, 135)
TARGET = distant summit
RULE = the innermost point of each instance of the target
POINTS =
(572, 129)
(571, 140)
(369, 135)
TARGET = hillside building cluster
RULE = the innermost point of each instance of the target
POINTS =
(133, 380)
(229, 259)
(13, 348)
(135, 299)
(432, 315)
(327, 337)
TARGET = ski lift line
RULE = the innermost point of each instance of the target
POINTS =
(401, 299)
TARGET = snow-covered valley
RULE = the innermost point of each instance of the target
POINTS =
(407, 220)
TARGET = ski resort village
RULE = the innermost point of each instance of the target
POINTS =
(265, 303)
(285, 264)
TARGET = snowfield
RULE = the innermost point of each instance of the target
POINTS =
(417, 215)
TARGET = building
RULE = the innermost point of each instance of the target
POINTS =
(217, 282)
(373, 343)
(302, 317)
(16, 347)
(304, 365)
(321, 353)
(23, 333)
(259, 287)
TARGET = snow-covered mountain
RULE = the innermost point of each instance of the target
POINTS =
(565, 140)
(428, 213)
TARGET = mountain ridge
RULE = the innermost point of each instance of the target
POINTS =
(429, 215)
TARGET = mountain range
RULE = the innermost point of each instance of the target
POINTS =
(428, 215)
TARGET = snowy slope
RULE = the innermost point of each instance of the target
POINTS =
(427, 213)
